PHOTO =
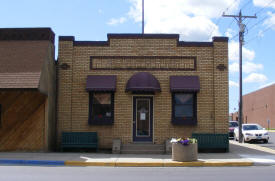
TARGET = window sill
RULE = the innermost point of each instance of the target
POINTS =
(189, 121)
(101, 122)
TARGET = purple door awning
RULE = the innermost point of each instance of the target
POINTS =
(143, 82)
(184, 84)
(101, 83)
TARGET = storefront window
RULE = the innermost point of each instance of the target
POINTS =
(184, 108)
(101, 108)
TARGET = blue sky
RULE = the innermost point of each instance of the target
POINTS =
(194, 20)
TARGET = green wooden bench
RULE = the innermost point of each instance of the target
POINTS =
(212, 142)
(79, 140)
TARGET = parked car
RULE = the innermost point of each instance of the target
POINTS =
(232, 126)
(252, 132)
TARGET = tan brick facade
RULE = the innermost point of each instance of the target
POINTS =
(208, 60)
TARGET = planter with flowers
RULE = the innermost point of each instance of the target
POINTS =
(184, 149)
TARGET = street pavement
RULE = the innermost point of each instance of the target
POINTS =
(42, 173)
(240, 154)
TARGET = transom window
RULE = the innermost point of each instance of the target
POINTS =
(184, 108)
(101, 108)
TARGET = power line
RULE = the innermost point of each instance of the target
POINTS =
(265, 6)
(258, 22)
(253, 38)
(245, 5)
(261, 10)
(229, 25)
(235, 36)
(221, 13)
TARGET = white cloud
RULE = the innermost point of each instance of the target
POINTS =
(190, 18)
(260, 33)
(234, 67)
(233, 51)
(229, 33)
(115, 21)
(233, 84)
(248, 67)
(266, 85)
(255, 78)
(264, 3)
(270, 22)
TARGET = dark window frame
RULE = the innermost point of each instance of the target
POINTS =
(102, 121)
(184, 120)
(0, 115)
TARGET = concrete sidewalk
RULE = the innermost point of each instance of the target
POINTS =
(239, 155)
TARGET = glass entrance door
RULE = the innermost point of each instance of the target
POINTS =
(142, 122)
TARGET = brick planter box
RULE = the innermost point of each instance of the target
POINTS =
(184, 153)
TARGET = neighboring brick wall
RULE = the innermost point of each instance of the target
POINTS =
(259, 106)
(73, 99)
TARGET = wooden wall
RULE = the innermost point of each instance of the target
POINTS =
(23, 120)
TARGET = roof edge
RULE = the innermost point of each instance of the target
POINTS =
(143, 36)
(46, 33)
(220, 39)
(66, 38)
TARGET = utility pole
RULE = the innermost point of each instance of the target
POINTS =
(239, 18)
(142, 16)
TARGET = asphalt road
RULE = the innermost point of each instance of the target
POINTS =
(28, 173)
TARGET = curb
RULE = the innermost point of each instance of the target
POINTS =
(159, 164)
(126, 164)
(33, 162)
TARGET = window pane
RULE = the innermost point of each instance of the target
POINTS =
(102, 98)
(102, 110)
(183, 111)
(101, 106)
(183, 98)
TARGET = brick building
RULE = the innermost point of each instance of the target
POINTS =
(142, 88)
(259, 107)
(27, 89)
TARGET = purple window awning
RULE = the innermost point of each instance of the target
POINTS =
(143, 82)
(184, 84)
(101, 83)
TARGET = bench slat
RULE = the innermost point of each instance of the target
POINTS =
(79, 139)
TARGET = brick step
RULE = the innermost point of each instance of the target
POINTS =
(142, 148)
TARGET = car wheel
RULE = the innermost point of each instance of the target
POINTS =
(265, 141)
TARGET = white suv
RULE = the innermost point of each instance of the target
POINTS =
(252, 132)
